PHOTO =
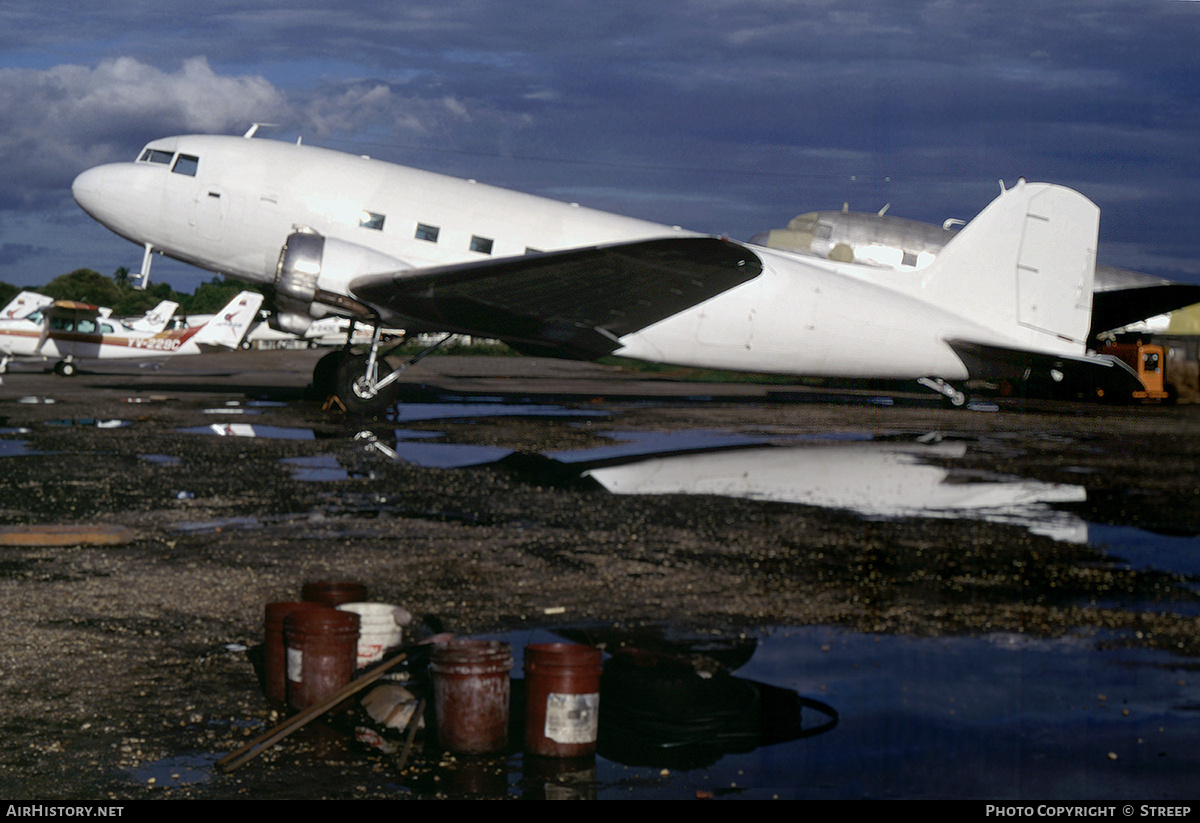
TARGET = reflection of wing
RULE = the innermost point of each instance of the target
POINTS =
(577, 301)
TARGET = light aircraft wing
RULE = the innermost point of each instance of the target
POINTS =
(576, 302)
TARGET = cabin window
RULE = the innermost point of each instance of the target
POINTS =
(532, 250)
(909, 259)
(427, 232)
(86, 327)
(105, 328)
(157, 156)
(483, 245)
(371, 220)
(824, 231)
(186, 164)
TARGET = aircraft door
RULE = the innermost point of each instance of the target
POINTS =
(209, 212)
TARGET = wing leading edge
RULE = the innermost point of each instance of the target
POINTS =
(570, 303)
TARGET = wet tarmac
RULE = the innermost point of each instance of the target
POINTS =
(844, 593)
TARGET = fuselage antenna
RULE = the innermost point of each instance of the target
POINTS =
(254, 128)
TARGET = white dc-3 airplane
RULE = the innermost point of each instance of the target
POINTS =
(1008, 298)
(66, 330)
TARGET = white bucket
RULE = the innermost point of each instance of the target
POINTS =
(379, 628)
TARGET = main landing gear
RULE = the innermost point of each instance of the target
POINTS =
(65, 368)
(364, 383)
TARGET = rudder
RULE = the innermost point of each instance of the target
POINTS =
(1023, 268)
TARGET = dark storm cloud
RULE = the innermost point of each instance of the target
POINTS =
(722, 116)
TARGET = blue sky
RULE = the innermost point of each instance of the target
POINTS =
(725, 116)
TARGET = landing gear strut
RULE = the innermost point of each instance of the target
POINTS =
(952, 396)
(364, 383)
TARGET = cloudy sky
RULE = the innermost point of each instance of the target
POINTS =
(725, 116)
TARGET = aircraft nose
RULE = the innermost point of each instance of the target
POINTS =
(88, 188)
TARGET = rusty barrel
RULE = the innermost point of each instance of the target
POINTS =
(470, 695)
(274, 648)
(322, 646)
(562, 699)
(333, 592)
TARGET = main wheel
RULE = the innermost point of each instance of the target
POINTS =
(325, 374)
(353, 389)
(65, 368)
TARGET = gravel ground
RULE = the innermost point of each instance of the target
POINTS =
(121, 656)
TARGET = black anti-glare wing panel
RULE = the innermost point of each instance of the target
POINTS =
(576, 302)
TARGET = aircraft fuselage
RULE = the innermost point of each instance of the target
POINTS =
(235, 202)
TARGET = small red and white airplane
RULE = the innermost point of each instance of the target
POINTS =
(66, 330)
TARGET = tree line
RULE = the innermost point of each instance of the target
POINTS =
(117, 292)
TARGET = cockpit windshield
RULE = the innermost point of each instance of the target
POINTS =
(186, 164)
(150, 155)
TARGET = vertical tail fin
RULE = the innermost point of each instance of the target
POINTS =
(1023, 268)
(156, 319)
(230, 324)
(24, 304)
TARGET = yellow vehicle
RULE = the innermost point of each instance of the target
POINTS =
(1149, 361)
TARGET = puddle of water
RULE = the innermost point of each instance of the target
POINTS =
(89, 422)
(448, 455)
(997, 716)
(322, 468)
(248, 430)
(440, 411)
(635, 443)
(874, 479)
(15, 448)
(1133, 548)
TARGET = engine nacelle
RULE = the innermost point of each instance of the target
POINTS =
(313, 276)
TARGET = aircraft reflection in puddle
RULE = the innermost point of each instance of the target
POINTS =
(249, 430)
(874, 479)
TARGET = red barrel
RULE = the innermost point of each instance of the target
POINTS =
(274, 649)
(562, 699)
(322, 646)
(333, 592)
(470, 695)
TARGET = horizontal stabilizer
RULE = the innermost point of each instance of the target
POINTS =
(1085, 374)
(1119, 307)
